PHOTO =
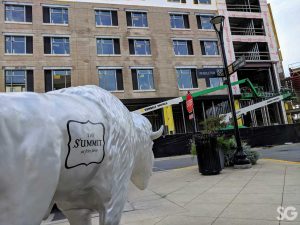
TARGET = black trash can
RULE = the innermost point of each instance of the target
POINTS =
(208, 154)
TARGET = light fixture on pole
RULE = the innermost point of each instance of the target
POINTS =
(240, 158)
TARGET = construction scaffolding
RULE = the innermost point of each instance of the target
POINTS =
(295, 78)
(293, 83)
(254, 101)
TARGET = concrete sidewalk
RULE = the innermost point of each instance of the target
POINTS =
(235, 197)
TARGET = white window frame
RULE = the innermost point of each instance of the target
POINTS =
(191, 79)
(186, 44)
(176, 1)
(113, 46)
(182, 16)
(211, 15)
(220, 78)
(56, 6)
(198, 2)
(137, 81)
(5, 70)
(210, 40)
(131, 17)
(111, 19)
(50, 14)
(52, 76)
(115, 75)
(111, 68)
(25, 45)
(51, 38)
(16, 4)
(139, 39)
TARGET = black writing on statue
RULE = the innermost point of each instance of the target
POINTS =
(86, 143)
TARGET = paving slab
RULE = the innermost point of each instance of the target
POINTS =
(206, 209)
(186, 220)
(292, 189)
(143, 222)
(251, 211)
(262, 189)
(214, 198)
(290, 223)
(226, 221)
(291, 199)
(235, 197)
(265, 198)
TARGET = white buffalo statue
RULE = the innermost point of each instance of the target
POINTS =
(77, 147)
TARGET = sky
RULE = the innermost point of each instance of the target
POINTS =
(286, 14)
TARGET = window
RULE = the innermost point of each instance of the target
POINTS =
(139, 47)
(137, 19)
(202, 1)
(18, 44)
(55, 15)
(56, 45)
(210, 74)
(106, 17)
(111, 79)
(179, 21)
(203, 22)
(18, 80)
(177, 1)
(57, 79)
(209, 47)
(186, 78)
(108, 46)
(142, 79)
(183, 47)
(18, 13)
(215, 82)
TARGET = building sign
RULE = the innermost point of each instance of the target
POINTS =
(235, 66)
(209, 72)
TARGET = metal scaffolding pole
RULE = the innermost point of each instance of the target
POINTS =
(203, 109)
(268, 115)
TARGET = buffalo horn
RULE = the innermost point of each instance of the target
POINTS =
(158, 133)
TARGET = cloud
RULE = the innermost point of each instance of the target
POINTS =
(286, 16)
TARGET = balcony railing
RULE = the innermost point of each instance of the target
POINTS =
(243, 8)
(247, 31)
(253, 56)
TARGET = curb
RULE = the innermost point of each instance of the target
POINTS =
(282, 161)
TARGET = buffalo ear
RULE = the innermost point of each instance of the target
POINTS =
(157, 134)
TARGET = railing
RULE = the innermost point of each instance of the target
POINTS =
(247, 31)
(264, 94)
(268, 94)
(246, 93)
(253, 56)
(243, 8)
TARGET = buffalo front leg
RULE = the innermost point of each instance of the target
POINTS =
(112, 215)
(107, 219)
(78, 216)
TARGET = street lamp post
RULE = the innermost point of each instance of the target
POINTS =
(240, 158)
